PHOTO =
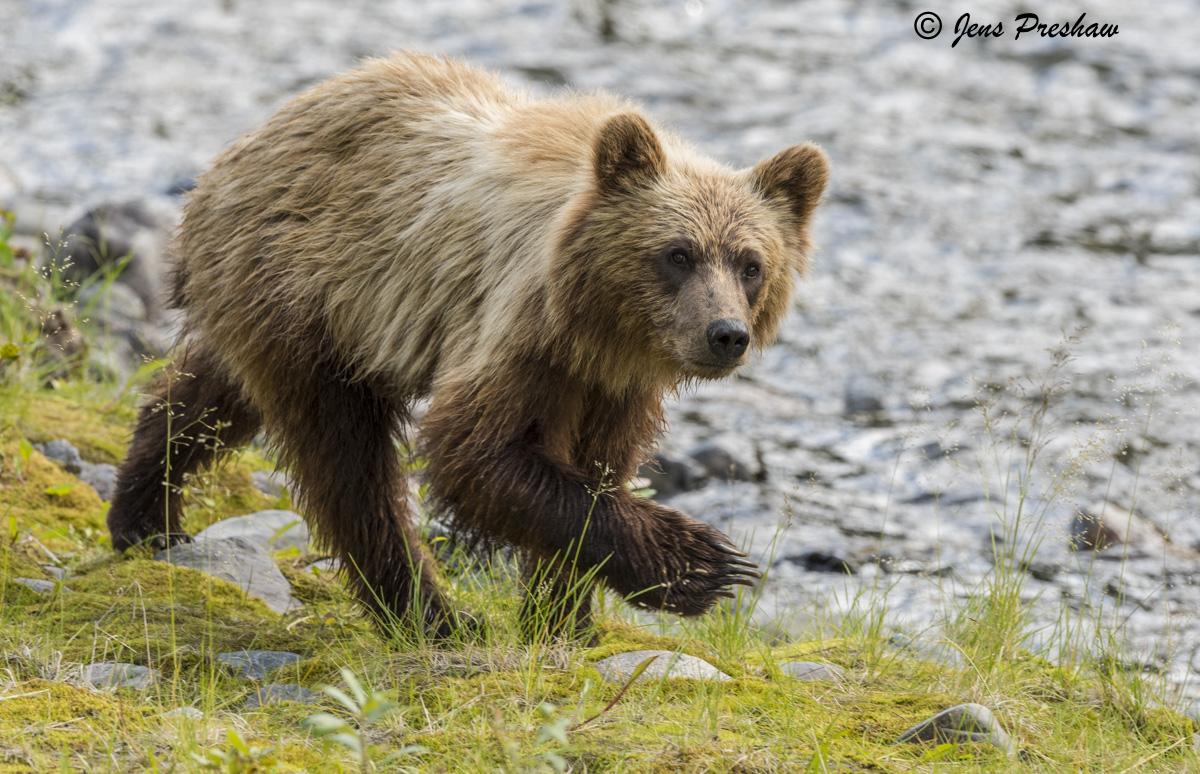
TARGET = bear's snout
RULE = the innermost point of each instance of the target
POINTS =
(728, 340)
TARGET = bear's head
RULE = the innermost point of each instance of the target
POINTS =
(674, 266)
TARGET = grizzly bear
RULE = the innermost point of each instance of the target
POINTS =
(544, 271)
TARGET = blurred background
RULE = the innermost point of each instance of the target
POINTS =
(995, 352)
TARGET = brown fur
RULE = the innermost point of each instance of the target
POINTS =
(543, 270)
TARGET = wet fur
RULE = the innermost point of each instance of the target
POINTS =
(415, 229)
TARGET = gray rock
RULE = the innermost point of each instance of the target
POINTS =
(184, 712)
(961, 724)
(61, 451)
(109, 234)
(112, 674)
(238, 561)
(721, 464)
(114, 306)
(619, 668)
(274, 530)
(257, 664)
(53, 569)
(862, 395)
(274, 693)
(99, 476)
(41, 586)
(814, 670)
(824, 561)
(1106, 525)
(669, 476)
(271, 482)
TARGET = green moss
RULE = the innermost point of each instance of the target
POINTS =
(151, 612)
(42, 723)
(100, 431)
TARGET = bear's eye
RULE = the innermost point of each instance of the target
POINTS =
(751, 271)
(679, 257)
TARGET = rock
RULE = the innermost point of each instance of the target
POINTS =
(184, 712)
(813, 670)
(274, 530)
(41, 586)
(257, 664)
(107, 235)
(62, 452)
(619, 668)
(961, 724)
(52, 569)
(238, 561)
(271, 482)
(721, 464)
(669, 476)
(273, 693)
(112, 674)
(824, 561)
(1105, 525)
(862, 395)
(99, 476)
(115, 305)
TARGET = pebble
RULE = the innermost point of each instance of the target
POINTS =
(257, 664)
(100, 476)
(41, 586)
(239, 561)
(113, 674)
(814, 671)
(619, 668)
(274, 693)
(961, 724)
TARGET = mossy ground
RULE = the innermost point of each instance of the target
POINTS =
(476, 706)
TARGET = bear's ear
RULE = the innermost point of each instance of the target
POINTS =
(626, 153)
(795, 176)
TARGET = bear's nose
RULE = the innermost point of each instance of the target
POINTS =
(728, 339)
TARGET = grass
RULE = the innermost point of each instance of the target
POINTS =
(498, 703)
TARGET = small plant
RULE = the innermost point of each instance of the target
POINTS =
(366, 708)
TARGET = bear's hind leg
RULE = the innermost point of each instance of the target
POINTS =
(338, 439)
(196, 410)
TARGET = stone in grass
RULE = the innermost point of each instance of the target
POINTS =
(41, 586)
(184, 712)
(274, 693)
(274, 530)
(240, 562)
(619, 668)
(257, 664)
(813, 671)
(961, 724)
(112, 674)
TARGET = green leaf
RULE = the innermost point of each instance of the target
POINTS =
(9, 351)
(60, 489)
(348, 740)
(354, 686)
(24, 449)
(7, 257)
(341, 698)
(323, 724)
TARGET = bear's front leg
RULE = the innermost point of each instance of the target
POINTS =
(504, 486)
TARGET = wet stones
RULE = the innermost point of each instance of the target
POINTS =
(112, 674)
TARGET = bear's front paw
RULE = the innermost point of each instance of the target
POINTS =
(683, 568)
